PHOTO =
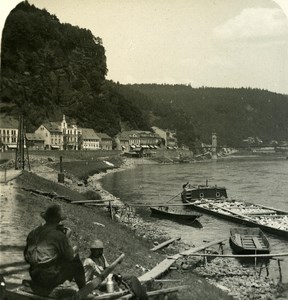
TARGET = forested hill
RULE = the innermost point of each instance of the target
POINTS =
(234, 114)
(49, 68)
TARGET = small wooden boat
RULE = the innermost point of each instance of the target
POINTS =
(174, 213)
(249, 241)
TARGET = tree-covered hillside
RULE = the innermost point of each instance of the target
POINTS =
(234, 114)
(49, 68)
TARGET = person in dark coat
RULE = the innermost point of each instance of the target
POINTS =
(50, 254)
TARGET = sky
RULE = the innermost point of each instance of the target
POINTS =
(213, 43)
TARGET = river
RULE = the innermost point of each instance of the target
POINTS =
(262, 180)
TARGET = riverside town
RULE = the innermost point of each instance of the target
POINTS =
(115, 188)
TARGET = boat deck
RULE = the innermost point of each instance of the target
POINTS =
(250, 242)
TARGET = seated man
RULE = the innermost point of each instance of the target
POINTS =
(96, 262)
(50, 254)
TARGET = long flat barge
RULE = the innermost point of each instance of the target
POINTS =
(269, 219)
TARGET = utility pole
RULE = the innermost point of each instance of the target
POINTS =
(20, 150)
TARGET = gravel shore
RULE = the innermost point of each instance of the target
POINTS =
(130, 234)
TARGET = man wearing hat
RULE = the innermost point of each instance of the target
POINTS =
(50, 254)
(96, 262)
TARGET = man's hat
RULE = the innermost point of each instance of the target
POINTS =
(97, 244)
(53, 213)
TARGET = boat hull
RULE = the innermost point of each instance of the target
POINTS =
(280, 233)
(173, 215)
(248, 241)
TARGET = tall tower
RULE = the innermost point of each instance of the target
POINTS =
(214, 145)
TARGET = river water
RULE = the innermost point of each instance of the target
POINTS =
(262, 180)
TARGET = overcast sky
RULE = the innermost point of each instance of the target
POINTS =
(215, 43)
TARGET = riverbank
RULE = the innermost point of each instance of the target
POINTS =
(88, 223)
(127, 234)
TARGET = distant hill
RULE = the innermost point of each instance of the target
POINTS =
(234, 114)
(49, 68)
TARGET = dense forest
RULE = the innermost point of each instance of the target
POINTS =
(49, 68)
(234, 114)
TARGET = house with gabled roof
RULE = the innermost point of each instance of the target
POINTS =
(59, 135)
(34, 141)
(88, 139)
(52, 135)
(105, 141)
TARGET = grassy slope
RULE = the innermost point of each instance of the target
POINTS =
(117, 238)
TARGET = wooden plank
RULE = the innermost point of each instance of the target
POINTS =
(17, 294)
(166, 263)
(160, 204)
(164, 244)
(14, 269)
(89, 201)
(283, 212)
(159, 292)
(256, 242)
(158, 269)
(241, 255)
(233, 213)
(196, 249)
(238, 239)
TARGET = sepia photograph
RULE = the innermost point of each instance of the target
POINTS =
(144, 149)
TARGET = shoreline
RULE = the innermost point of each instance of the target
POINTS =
(149, 233)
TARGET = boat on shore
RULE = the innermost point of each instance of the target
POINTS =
(175, 213)
(249, 241)
(269, 219)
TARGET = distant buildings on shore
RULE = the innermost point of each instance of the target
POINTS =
(65, 135)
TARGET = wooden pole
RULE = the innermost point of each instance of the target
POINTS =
(174, 197)
(27, 152)
(22, 144)
(61, 175)
(5, 174)
(111, 210)
(280, 271)
(61, 165)
(160, 246)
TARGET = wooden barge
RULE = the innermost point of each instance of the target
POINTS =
(270, 220)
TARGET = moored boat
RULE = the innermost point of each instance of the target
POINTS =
(270, 220)
(196, 192)
(174, 213)
(249, 241)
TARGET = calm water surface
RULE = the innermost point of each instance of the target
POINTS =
(260, 180)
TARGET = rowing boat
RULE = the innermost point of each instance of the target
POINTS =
(249, 241)
(175, 213)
